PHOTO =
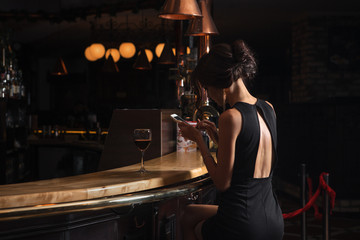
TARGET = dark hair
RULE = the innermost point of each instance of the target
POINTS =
(223, 65)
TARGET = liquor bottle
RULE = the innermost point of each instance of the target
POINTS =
(17, 87)
(6, 83)
(16, 81)
(1, 89)
(3, 84)
(11, 80)
(21, 85)
(2, 78)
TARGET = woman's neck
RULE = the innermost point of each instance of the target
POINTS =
(239, 93)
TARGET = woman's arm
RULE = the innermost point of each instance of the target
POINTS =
(229, 129)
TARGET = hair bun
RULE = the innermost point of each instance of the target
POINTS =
(245, 61)
(223, 65)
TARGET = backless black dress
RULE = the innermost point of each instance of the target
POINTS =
(248, 209)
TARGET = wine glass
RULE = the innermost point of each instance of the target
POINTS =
(142, 139)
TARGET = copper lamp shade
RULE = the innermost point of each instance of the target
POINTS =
(142, 62)
(180, 10)
(110, 65)
(202, 26)
(60, 68)
(167, 56)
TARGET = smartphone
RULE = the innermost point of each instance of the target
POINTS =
(177, 118)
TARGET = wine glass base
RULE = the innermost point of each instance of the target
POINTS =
(142, 171)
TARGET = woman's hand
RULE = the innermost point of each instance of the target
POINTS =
(189, 132)
(210, 128)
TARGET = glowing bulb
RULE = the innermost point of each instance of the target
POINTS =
(159, 48)
(149, 54)
(97, 50)
(127, 49)
(88, 55)
(187, 51)
(114, 53)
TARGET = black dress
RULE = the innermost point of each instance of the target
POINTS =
(249, 209)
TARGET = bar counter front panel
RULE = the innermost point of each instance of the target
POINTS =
(117, 203)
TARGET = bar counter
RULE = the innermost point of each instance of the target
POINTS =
(170, 173)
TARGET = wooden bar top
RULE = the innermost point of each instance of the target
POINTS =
(170, 169)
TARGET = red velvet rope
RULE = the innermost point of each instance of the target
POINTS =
(312, 198)
(317, 214)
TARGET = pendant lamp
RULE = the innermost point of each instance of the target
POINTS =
(149, 55)
(142, 62)
(110, 66)
(127, 49)
(180, 10)
(159, 48)
(202, 26)
(88, 55)
(167, 56)
(59, 68)
(114, 53)
(97, 50)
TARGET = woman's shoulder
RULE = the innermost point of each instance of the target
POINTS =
(230, 122)
(230, 116)
(269, 106)
(231, 112)
(268, 103)
(264, 103)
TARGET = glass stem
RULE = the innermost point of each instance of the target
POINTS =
(142, 161)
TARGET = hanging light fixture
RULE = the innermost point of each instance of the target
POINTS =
(127, 49)
(159, 48)
(167, 55)
(142, 62)
(88, 55)
(97, 50)
(187, 50)
(59, 68)
(110, 65)
(149, 54)
(180, 10)
(114, 53)
(202, 26)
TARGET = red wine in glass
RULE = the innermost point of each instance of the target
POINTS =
(142, 144)
(142, 139)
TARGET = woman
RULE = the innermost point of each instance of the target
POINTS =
(248, 208)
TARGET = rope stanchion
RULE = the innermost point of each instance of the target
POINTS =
(311, 202)
(326, 212)
(329, 190)
(303, 201)
(317, 213)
